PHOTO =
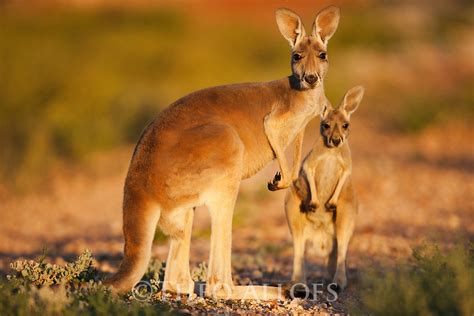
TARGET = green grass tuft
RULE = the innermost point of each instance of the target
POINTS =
(435, 282)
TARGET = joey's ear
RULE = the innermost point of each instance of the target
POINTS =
(352, 99)
(290, 25)
(326, 23)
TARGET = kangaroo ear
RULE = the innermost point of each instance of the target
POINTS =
(326, 23)
(352, 99)
(290, 25)
(326, 108)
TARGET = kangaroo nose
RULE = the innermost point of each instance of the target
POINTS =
(311, 79)
(336, 141)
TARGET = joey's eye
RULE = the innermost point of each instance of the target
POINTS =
(325, 126)
(297, 56)
(323, 55)
(345, 125)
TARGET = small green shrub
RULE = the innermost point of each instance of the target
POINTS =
(155, 274)
(18, 299)
(199, 273)
(41, 288)
(434, 283)
(43, 273)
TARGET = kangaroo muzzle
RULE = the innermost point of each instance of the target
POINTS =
(311, 79)
(336, 141)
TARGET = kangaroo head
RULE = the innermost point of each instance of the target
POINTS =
(335, 122)
(309, 61)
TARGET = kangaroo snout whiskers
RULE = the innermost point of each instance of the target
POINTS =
(321, 205)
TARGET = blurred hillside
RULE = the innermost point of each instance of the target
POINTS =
(78, 79)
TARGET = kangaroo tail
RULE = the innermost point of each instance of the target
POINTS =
(139, 225)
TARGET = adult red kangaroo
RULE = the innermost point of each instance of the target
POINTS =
(197, 151)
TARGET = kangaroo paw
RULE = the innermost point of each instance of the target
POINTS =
(274, 185)
(331, 207)
(309, 207)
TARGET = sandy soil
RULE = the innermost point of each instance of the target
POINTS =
(411, 188)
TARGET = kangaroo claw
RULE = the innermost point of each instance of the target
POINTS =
(274, 184)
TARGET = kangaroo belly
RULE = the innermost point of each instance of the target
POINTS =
(320, 233)
(257, 153)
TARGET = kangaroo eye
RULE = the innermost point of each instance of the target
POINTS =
(326, 125)
(345, 125)
(323, 55)
(297, 56)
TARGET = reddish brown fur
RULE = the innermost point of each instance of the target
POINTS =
(196, 152)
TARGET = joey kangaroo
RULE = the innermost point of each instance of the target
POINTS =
(321, 206)
(198, 150)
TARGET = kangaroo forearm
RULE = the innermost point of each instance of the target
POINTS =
(312, 184)
(312, 189)
(340, 184)
(272, 133)
(297, 155)
(285, 173)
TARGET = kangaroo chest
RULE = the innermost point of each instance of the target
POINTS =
(295, 123)
(285, 126)
(328, 170)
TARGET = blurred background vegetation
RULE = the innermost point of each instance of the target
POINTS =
(80, 79)
(77, 80)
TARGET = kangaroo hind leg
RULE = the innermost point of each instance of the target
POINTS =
(177, 275)
(345, 223)
(221, 207)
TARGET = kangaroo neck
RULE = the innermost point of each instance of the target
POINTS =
(311, 97)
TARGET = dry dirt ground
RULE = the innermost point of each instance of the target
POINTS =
(412, 189)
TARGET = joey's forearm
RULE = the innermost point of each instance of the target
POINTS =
(340, 184)
(312, 184)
